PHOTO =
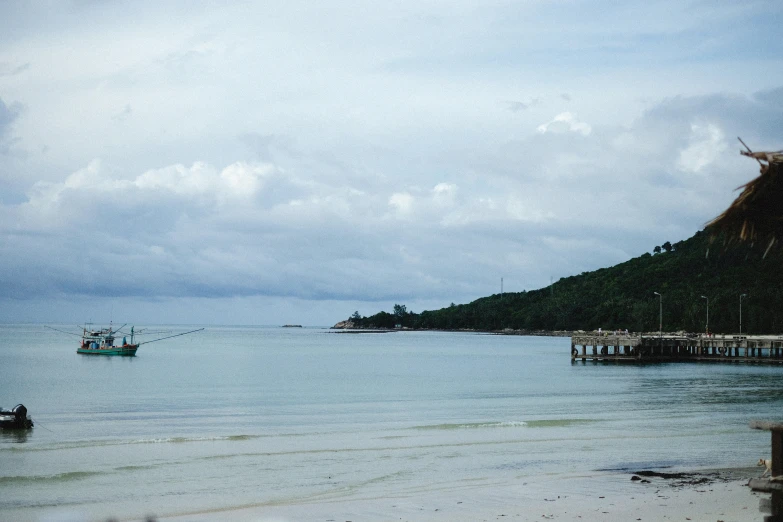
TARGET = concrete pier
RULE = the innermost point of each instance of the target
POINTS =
(669, 347)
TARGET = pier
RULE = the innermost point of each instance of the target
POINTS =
(677, 347)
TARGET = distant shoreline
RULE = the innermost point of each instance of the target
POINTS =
(507, 331)
(340, 328)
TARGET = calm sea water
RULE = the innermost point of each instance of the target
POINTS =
(253, 416)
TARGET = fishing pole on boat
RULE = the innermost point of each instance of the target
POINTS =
(170, 336)
(120, 328)
(63, 331)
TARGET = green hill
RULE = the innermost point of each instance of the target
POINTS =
(622, 296)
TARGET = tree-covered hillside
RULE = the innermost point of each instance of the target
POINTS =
(623, 296)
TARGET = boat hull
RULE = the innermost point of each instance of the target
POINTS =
(9, 422)
(127, 350)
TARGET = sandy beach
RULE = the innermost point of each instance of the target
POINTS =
(713, 495)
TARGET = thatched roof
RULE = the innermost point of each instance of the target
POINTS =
(757, 214)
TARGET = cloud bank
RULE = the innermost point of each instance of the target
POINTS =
(304, 161)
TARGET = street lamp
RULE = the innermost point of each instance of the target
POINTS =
(741, 296)
(708, 313)
(660, 314)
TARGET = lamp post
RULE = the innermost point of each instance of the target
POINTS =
(660, 314)
(708, 313)
(741, 296)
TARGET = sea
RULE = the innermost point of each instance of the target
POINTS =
(247, 417)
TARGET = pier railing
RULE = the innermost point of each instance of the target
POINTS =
(677, 347)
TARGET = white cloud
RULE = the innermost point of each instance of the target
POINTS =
(402, 203)
(706, 144)
(236, 181)
(565, 122)
(444, 194)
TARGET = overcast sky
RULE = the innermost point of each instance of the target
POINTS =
(292, 162)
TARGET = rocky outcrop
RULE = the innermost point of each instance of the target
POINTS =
(344, 325)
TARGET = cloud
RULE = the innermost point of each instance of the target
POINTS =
(285, 229)
(518, 106)
(8, 114)
(445, 194)
(8, 69)
(565, 122)
(405, 153)
(402, 203)
(200, 189)
(706, 144)
(772, 97)
(234, 182)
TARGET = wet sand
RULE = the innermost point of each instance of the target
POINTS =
(701, 496)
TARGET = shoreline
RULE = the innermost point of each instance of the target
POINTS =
(536, 333)
(698, 496)
(337, 328)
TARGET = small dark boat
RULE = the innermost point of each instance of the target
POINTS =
(15, 419)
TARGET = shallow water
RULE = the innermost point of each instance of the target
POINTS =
(253, 416)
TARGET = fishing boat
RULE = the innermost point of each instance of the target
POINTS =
(101, 342)
(15, 419)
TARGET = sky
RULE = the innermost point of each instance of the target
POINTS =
(293, 162)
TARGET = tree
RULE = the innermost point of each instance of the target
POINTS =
(400, 311)
(667, 246)
(657, 250)
(356, 316)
